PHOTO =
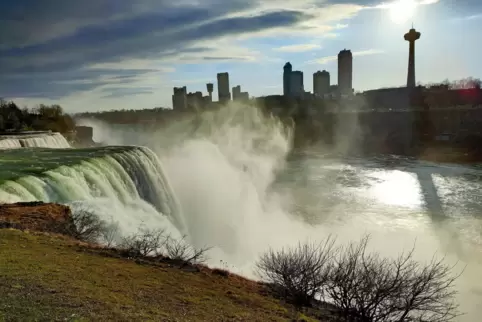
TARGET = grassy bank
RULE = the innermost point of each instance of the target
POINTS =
(45, 278)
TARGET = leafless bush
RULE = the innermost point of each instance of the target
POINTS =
(180, 250)
(366, 287)
(87, 226)
(157, 243)
(145, 243)
(363, 286)
(298, 273)
(110, 235)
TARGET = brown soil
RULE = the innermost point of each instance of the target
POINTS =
(37, 216)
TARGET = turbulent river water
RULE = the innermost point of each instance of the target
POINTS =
(227, 179)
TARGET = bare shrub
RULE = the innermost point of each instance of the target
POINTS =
(156, 243)
(145, 243)
(87, 226)
(298, 273)
(366, 287)
(180, 250)
(110, 235)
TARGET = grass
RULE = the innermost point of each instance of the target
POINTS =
(46, 277)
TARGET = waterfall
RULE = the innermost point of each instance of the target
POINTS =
(124, 184)
(44, 140)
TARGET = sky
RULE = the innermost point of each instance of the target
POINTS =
(94, 55)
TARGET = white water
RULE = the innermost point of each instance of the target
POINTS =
(53, 141)
(214, 182)
(129, 188)
(222, 165)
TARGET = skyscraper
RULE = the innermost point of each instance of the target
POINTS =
(287, 69)
(223, 87)
(236, 92)
(297, 88)
(321, 83)
(179, 98)
(411, 36)
(345, 72)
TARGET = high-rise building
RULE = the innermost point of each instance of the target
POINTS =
(411, 37)
(179, 98)
(321, 83)
(236, 92)
(287, 70)
(297, 88)
(244, 96)
(195, 100)
(345, 72)
(210, 88)
(238, 95)
(223, 87)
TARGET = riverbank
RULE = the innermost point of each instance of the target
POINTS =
(45, 275)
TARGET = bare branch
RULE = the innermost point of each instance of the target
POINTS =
(180, 250)
(298, 273)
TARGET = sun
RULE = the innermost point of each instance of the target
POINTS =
(402, 10)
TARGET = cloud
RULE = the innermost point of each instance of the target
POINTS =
(327, 59)
(469, 17)
(297, 48)
(390, 4)
(55, 48)
(126, 91)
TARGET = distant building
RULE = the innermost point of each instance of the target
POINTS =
(236, 92)
(345, 72)
(210, 88)
(179, 98)
(223, 87)
(244, 96)
(388, 99)
(321, 83)
(297, 88)
(238, 95)
(287, 70)
(195, 100)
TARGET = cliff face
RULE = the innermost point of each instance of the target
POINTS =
(37, 216)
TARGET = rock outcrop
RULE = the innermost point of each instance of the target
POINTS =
(38, 216)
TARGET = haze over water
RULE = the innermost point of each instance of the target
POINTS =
(241, 190)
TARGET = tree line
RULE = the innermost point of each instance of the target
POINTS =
(52, 117)
(40, 118)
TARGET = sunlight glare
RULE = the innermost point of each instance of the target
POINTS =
(402, 10)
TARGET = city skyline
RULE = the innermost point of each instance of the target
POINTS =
(108, 56)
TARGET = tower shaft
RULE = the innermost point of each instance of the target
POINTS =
(411, 65)
(411, 37)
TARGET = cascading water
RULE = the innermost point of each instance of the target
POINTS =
(44, 140)
(124, 185)
(10, 144)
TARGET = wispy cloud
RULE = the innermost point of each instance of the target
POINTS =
(469, 17)
(390, 4)
(327, 59)
(297, 48)
(126, 91)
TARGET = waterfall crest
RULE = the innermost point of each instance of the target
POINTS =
(44, 140)
(127, 182)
